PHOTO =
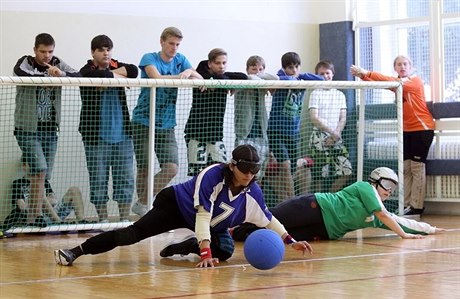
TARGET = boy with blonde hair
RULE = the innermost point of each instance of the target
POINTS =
(251, 117)
(204, 130)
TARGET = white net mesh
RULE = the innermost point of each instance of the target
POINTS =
(369, 140)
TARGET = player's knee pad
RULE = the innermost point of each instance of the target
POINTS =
(222, 245)
(126, 236)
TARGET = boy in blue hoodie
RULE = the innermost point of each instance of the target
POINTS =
(284, 122)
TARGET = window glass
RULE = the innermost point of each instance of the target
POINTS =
(374, 11)
(409, 34)
(452, 62)
(379, 45)
(451, 6)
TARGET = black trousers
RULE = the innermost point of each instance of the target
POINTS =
(301, 216)
(164, 216)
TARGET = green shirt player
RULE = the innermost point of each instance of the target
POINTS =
(329, 216)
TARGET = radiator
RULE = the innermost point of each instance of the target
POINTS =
(384, 149)
(449, 183)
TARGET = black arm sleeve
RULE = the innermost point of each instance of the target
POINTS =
(131, 70)
(24, 67)
(236, 76)
(91, 72)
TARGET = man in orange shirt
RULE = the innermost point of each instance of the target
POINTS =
(418, 127)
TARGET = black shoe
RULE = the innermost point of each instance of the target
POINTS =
(411, 211)
(188, 245)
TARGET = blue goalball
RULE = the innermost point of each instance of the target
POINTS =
(264, 249)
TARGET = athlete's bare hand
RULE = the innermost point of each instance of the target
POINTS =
(412, 236)
(209, 262)
(303, 246)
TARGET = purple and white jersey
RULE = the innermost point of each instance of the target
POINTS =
(208, 189)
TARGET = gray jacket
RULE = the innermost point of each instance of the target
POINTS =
(250, 103)
(26, 113)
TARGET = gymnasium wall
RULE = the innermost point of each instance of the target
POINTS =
(267, 28)
(243, 28)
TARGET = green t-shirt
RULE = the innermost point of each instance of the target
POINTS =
(349, 209)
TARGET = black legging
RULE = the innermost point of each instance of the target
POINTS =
(301, 216)
(164, 216)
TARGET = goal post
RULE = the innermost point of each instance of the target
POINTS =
(372, 138)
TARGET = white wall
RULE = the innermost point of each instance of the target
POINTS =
(243, 28)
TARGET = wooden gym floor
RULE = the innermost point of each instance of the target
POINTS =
(367, 264)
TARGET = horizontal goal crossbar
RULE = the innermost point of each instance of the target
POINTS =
(183, 83)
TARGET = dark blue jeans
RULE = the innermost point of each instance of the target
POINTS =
(100, 157)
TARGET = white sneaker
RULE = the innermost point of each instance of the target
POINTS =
(139, 209)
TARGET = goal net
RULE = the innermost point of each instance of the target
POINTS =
(79, 192)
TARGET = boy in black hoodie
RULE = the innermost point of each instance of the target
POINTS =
(106, 130)
(204, 131)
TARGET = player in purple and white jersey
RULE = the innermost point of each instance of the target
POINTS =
(219, 197)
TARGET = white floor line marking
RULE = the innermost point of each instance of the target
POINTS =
(221, 267)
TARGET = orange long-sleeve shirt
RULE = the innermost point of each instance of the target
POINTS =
(416, 116)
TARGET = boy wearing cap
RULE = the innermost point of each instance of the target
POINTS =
(221, 196)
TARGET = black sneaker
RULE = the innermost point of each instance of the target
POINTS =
(411, 211)
(64, 257)
(188, 245)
